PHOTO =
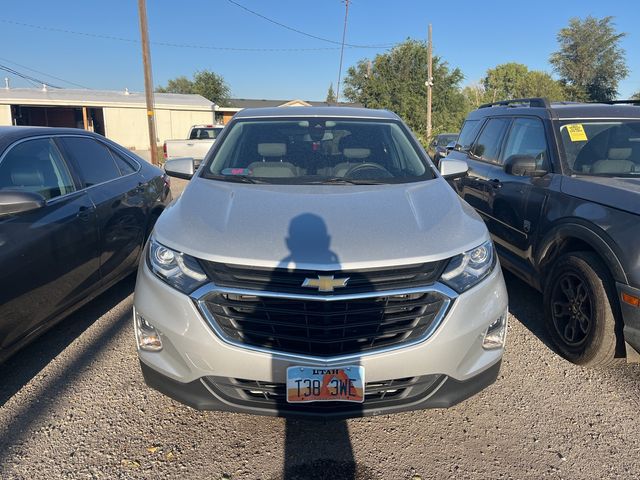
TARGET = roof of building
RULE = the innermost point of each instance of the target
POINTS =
(101, 98)
(346, 112)
(235, 104)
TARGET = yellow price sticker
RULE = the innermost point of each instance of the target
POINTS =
(576, 132)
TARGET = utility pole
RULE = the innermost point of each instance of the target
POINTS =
(148, 80)
(429, 84)
(344, 33)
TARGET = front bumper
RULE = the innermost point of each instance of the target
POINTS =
(196, 366)
(630, 316)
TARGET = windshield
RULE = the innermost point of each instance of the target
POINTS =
(444, 140)
(317, 150)
(602, 147)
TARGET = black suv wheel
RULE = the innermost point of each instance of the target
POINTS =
(578, 313)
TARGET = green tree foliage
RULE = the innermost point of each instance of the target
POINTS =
(206, 83)
(331, 95)
(635, 96)
(590, 60)
(515, 80)
(395, 80)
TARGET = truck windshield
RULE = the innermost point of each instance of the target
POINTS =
(316, 150)
(204, 133)
(602, 147)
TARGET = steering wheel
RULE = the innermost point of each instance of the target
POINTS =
(367, 166)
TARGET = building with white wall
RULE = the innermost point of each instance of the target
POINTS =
(118, 115)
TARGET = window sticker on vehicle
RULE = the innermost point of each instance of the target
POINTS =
(576, 132)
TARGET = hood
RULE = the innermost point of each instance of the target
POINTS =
(620, 193)
(320, 226)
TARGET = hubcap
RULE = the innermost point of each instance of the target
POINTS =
(571, 309)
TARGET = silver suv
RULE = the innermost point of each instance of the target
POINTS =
(318, 265)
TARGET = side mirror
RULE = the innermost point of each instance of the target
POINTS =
(452, 169)
(12, 202)
(523, 166)
(180, 167)
(451, 146)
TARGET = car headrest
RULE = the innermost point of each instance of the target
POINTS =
(357, 153)
(272, 149)
(619, 153)
(27, 176)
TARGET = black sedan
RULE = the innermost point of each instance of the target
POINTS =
(438, 147)
(75, 210)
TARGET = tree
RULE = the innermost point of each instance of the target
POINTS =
(635, 96)
(395, 80)
(206, 83)
(515, 80)
(590, 60)
(331, 95)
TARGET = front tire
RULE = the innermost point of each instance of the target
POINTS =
(579, 312)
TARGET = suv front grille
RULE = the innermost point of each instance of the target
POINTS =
(324, 328)
(290, 281)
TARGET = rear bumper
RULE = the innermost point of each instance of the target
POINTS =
(630, 316)
(437, 391)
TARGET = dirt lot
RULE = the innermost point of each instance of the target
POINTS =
(74, 405)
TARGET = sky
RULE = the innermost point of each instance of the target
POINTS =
(259, 59)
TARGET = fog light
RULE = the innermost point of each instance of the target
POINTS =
(496, 333)
(147, 335)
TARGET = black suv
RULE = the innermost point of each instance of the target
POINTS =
(558, 185)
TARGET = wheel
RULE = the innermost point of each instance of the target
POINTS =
(578, 300)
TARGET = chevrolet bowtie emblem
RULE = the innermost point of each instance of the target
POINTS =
(325, 283)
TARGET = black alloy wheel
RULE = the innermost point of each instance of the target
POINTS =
(579, 303)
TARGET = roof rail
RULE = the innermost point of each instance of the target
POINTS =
(620, 102)
(518, 102)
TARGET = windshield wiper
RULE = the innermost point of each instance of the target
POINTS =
(348, 181)
(236, 178)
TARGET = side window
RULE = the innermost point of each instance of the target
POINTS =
(125, 165)
(95, 163)
(468, 134)
(527, 138)
(488, 145)
(36, 166)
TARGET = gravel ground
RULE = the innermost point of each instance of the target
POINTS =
(74, 405)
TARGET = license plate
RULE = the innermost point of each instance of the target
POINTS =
(314, 384)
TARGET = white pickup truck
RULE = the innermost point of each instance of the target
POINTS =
(198, 143)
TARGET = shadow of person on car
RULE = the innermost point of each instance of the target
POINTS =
(321, 447)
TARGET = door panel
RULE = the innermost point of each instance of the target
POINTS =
(49, 256)
(118, 196)
(516, 202)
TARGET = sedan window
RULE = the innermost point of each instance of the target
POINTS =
(95, 163)
(36, 166)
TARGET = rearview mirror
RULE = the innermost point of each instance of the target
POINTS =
(452, 169)
(523, 166)
(180, 168)
(12, 202)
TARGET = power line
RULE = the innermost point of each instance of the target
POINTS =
(275, 22)
(175, 45)
(26, 77)
(45, 74)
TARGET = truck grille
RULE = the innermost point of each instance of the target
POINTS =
(323, 328)
(290, 281)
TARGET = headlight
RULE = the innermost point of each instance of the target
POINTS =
(469, 268)
(177, 269)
